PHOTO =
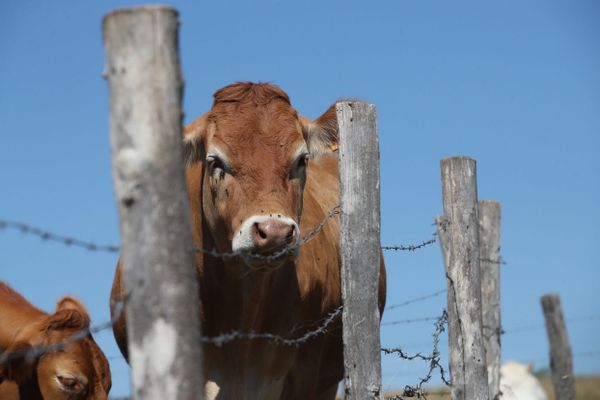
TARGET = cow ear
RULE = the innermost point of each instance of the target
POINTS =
(70, 314)
(321, 134)
(193, 140)
(16, 364)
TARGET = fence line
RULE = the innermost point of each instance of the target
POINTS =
(71, 241)
(219, 340)
(237, 335)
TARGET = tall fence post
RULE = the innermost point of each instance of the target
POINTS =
(360, 248)
(490, 261)
(145, 88)
(561, 359)
(459, 235)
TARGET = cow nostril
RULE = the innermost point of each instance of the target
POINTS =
(290, 236)
(260, 232)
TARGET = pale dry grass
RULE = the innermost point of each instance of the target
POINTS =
(586, 388)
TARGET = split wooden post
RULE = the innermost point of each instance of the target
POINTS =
(561, 359)
(145, 88)
(459, 235)
(490, 261)
(360, 248)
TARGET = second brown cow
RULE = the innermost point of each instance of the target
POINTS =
(77, 371)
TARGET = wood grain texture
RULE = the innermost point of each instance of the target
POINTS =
(145, 88)
(489, 254)
(360, 248)
(561, 359)
(460, 243)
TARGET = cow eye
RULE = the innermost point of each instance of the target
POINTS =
(215, 164)
(70, 384)
(299, 166)
(302, 160)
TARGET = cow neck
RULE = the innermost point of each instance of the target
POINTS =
(253, 298)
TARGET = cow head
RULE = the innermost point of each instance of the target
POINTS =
(79, 371)
(254, 150)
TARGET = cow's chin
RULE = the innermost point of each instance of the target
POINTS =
(269, 262)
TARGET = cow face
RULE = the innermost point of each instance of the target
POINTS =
(79, 371)
(255, 151)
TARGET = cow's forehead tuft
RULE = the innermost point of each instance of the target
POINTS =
(249, 92)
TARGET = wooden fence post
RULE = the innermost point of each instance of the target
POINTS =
(459, 235)
(360, 248)
(145, 87)
(561, 360)
(489, 254)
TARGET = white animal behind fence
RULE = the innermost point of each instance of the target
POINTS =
(517, 382)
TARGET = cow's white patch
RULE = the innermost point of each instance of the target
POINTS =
(152, 360)
(242, 240)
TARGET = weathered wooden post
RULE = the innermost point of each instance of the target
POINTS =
(561, 359)
(489, 254)
(145, 88)
(458, 230)
(360, 248)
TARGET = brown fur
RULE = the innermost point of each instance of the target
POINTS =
(23, 327)
(259, 132)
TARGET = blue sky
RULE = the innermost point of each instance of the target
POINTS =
(515, 85)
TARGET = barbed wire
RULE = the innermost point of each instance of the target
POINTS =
(591, 353)
(53, 237)
(71, 241)
(499, 261)
(409, 321)
(433, 359)
(535, 327)
(416, 300)
(280, 340)
(412, 247)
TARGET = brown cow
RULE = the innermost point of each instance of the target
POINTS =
(79, 371)
(259, 178)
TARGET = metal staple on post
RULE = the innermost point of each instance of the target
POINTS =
(489, 255)
(145, 88)
(360, 248)
(561, 358)
(459, 236)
